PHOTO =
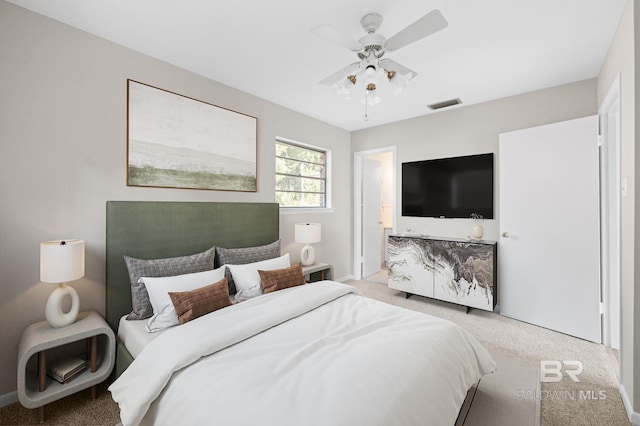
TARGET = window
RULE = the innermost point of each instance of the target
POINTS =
(301, 175)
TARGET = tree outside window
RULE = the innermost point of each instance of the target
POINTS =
(301, 176)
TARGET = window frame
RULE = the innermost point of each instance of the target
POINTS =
(327, 179)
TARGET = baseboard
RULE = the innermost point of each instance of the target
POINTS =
(8, 398)
(634, 417)
(345, 278)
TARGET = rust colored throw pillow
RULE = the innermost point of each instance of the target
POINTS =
(190, 305)
(280, 279)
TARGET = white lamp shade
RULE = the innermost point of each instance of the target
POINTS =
(61, 261)
(308, 233)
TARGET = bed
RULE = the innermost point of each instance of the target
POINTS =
(313, 354)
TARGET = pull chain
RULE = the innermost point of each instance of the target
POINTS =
(366, 106)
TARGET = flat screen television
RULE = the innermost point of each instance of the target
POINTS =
(448, 187)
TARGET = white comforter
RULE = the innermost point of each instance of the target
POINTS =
(310, 355)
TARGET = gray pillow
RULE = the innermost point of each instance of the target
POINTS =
(154, 268)
(242, 256)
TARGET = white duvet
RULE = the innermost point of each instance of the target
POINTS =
(316, 354)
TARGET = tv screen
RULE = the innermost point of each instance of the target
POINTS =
(448, 187)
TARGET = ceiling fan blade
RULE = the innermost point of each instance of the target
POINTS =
(327, 31)
(391, 65)
(430, 23)
(340, 75)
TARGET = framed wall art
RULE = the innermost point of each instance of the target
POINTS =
(174, 141)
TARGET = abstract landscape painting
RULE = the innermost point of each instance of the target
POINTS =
(177, 142)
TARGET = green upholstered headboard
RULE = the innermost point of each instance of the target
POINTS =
(154, 230)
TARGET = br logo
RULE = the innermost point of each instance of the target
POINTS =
(551, 371)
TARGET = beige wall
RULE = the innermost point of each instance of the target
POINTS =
(621, 60)
(63, 138)
(472, 130)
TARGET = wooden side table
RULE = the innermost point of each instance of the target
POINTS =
(318, 272)
(35, 389)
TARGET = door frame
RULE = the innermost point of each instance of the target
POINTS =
(610, 177)
(357, 201)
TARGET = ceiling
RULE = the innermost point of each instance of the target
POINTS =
(491, 48)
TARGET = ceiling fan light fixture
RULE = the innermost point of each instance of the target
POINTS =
(371, 99)
(343, 88)
(371, 70)
(400, 81)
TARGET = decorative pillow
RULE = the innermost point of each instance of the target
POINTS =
(242, 256)
(247, 279)
(190, 305)
(167, 267)
(164, 315)
(280, 279)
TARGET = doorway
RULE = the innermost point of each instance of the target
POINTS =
(374, 208)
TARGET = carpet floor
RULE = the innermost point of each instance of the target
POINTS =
(75, 410)
(595, 400)
(510, 397)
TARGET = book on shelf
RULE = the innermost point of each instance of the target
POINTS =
(65, 369)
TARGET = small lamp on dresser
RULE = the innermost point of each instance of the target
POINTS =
(61, 261)
(307, 233)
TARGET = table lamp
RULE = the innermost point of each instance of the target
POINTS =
(61, 262)
(307, 233)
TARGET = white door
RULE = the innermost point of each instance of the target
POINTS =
(549, 253)
(371, 217)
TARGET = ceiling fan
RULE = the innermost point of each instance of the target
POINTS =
(371, 47)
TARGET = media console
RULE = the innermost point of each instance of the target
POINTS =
(454, 270)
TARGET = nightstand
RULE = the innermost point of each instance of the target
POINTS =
(41, 343)
(317, 272)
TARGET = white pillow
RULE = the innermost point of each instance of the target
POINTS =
(164, 315)
(247, 279)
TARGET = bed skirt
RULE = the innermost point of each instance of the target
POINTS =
(123, 359)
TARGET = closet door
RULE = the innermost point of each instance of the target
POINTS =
(549, 263)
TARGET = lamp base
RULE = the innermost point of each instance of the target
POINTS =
(307, 255)
(53, 312)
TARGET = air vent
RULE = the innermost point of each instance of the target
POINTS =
(445, 104)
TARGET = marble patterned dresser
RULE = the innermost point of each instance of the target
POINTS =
(453, 270)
